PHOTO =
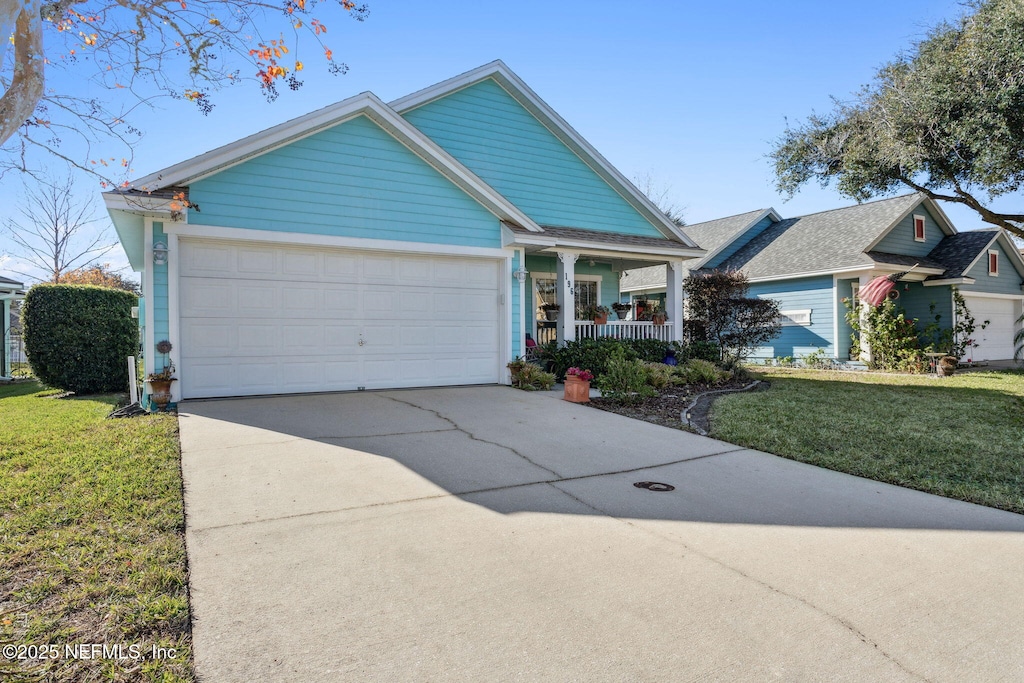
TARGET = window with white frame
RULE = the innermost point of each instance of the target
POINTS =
(795, 317)
(587, 290)
(919, 228)
(993, 262)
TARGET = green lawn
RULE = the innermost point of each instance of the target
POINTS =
(960, 437)
(91, 539)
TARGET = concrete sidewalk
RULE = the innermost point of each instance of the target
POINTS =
(489, 534)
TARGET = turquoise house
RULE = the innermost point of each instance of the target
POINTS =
(374, 245)
(813, 264)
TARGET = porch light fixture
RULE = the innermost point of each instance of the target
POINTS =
(520, 274)
(159, 254)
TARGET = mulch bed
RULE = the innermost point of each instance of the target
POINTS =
(665, 408)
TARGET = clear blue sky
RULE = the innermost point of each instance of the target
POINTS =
(692, 93)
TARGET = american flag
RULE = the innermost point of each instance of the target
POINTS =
(875, 291)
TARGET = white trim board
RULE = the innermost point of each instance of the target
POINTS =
(194, 231)
(522, 93)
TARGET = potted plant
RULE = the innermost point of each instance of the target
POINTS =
(621, 310)
(946, 366)
(516, 367)
(658, 317)
(160, 386)
(599, 314)
(577, 385)
(550, 311)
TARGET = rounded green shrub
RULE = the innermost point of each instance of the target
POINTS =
(78, 337)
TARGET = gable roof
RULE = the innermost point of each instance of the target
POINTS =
(715, 235)
(823, 242)
(365, 104)
(522, 93)
(980, 246)
(959, 252)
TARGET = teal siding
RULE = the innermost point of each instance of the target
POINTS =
(517, 313)
(900, 239)
(806, 293)
(352, 180)
(1007, 282)
(916, 301)
(161, 328)
(844, 290)
(740, 241)
(498, 139)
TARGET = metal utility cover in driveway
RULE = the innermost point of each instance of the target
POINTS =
(490, 534)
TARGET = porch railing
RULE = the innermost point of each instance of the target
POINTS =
(623, 329)
(616, 329)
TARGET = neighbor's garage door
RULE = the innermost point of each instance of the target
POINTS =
(259, 319)
(995, 342)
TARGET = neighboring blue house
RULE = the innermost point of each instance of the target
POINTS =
(809, 264)
(372, 245)
(10, 291)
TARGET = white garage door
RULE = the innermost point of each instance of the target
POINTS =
(995, 342)
(259, 319)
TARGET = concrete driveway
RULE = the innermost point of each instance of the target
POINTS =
(485, 533)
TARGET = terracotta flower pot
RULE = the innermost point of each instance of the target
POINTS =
(576, 389)
(601, 319)
(160, 392)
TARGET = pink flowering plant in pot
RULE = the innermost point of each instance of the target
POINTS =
(582, 375)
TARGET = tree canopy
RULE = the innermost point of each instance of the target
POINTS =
(138, 50)
(945, 118)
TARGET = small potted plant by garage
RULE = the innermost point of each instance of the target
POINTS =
(160, 386)
(946, 366)
(550, 311)
(516, 367)
(577, 385)
(621, 310)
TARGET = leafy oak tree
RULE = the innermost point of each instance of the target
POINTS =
(945, 118)
(139, 50)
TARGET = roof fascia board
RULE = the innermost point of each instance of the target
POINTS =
(895, 268)
(815, 273)
(950, 281)
(767, 212)
(652, 258)
(548, 117)
(157, 207)
(944, 223)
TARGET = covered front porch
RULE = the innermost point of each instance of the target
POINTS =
(10, 291)
(567, 275)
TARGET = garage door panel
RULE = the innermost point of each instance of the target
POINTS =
(995, 341)
(280, 319)
(206, 297)
(256, 262)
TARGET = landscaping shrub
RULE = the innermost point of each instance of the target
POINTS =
(659, 375)
(704, 350)
(78, 337)
(594, 354)
(699, 371)
(736, 323)
(532, 377)
(624, 379)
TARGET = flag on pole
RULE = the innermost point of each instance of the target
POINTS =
(875, 291)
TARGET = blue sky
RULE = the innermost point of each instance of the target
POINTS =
(691, 93)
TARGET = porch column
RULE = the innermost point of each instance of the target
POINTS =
(5, 338)
(674, 298)
(566, 294)
(865, 347)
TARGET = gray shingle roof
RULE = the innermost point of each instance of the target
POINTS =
(826, 241)
(904, 260)
(596, 237)
(711, 235)
(957, 252)
(8, 281)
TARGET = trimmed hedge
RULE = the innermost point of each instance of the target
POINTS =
(593, 354)
(78, 337)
